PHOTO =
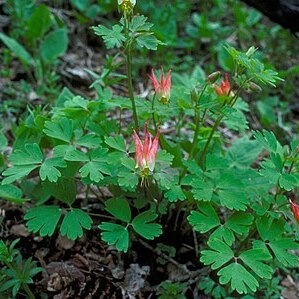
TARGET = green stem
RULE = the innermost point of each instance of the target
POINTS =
(129, 72)
(198, 123)
(130, 87)
(204, 151)
(283, 204)
(120, 120)
(153, 109)
(180, 122)
(28, 291)
(278, 192)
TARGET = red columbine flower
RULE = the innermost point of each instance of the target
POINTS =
(145, 154)
(295, 209)
(162, 88)
(224, 88)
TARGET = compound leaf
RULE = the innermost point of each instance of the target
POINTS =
(148, 41)
(88, 140)
(220, 254)
(91, 170)
(49, 169)
(139, 23)
(202, 190)
(43, 219)
(119, 208)
(231, 192)
(31, 154)
(115, 234)
(238, 277)
(255, 258)
(14, 173)
(204, 220)
(75, 155)
(267, 140)
(12, 193)
(143, 226)
(175, 194)
(111, 37)
(24, 161)
(223, 233)
(239, 222)
(64, 189)
(116, 142)
(288, 181)
(127, 179)
(270, 228)
(73, 222)
(280, 249)
(59, 128)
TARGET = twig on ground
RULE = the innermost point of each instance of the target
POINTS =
(195, 243)
(190, 276)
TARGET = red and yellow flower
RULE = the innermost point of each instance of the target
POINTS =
(162, 88)
(224, 88)
(145, 153)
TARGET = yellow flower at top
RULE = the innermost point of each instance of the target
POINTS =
(126, 5)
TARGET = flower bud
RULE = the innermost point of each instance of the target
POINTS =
(254, 87)
(212, 78)
(250, 51)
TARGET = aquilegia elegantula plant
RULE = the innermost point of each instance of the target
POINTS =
(238, 195)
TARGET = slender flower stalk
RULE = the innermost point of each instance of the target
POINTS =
(128, 46)
(153, 112)
(130, 88)
(198, 122)
(162, 88)
(225, 88)
(145, 153)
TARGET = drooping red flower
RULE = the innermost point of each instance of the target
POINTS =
(295, 209)
(162, 88)
(145, 153)
(224, 88)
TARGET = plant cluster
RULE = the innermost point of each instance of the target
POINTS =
(237, 194)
